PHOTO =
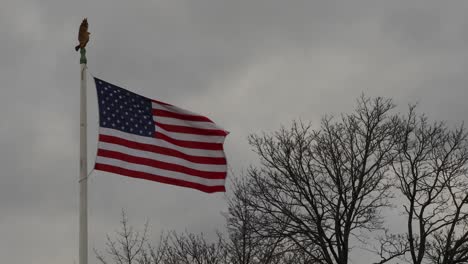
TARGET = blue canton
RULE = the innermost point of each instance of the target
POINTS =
(123, 110)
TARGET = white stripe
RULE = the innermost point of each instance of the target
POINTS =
(181, 122)
(161, 143)
(160, 172)
(174, 109)
(191, 137)
(163, 158)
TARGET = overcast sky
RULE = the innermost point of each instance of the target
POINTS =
(251, 65)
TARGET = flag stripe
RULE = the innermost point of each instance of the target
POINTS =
(112, 135)
(162, 157)
(190, 137)
(160, 164)
(179, 111)
(189, 144)
(159, 102)
(161, 179)
(104, 139)
(160, 172)
(165, 113)
(186, 123)
(192, 130)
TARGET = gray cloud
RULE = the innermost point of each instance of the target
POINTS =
(251, 65)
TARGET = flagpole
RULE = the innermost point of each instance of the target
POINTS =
(83, 231)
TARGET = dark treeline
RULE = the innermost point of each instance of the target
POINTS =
(318, 194)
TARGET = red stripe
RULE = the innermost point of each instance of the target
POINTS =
(189, 144)
(159, 102)
(162, 150)
(157, 178)
(164, 113)
(160, 164)
(191, 130)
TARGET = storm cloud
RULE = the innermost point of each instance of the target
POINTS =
(251, 65)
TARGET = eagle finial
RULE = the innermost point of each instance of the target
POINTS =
(83, 35)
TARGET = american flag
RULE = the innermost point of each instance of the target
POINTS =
(148, 139)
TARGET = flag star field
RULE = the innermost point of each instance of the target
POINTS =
(123, 110)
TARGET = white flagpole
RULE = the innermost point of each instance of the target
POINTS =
(83, 236)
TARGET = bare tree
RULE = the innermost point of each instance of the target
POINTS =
(318, 193)
(432, 173)
(188, 248)
(317, 188)
(247, 246)
(242, 245)
(132, 247)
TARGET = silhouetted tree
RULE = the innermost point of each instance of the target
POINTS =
(241, 246)
(244, 243)
(317, 188)
(432, 174)
(132, 247)
(316, 191)
(188, 248)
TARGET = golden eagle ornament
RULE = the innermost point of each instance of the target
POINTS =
(83, 35)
